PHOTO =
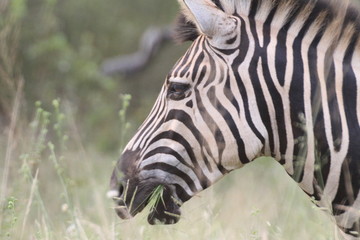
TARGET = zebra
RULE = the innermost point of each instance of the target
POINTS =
(277, 78)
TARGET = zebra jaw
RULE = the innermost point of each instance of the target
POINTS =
(166, 210)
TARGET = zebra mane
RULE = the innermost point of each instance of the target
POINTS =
(185, 30)
(334, 14)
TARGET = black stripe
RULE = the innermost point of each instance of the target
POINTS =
(230, 122)
(259, 92)
(181, 193)
(214, 129)
(185, 60)
(169, 151)
(322, 147)
(297, 107)
(244, 46)
(231, 40)
(276, 97)
(352, 163)
(280, 56)
(229, 94)
(189, 104)
(218, 4)
(172, 170)
(187, 121)
(205, 182)
(148, 124)
(212, 67)
(197, 62)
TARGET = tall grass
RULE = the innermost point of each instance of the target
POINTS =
(56, 189)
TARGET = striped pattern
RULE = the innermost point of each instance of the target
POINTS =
(285, 83)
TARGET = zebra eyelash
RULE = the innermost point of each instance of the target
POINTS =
(177, 90)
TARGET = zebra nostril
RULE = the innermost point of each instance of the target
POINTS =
(116, 194)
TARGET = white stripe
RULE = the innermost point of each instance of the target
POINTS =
(176, 146)
(336, 158)
(245, 76)
(308, 178)
(270, 106)
(285, 96)
(260, 17)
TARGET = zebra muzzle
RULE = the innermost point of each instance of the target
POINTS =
(166, 210)
(132, 198)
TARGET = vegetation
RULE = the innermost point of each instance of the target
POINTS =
(57, 193)
(63, 124)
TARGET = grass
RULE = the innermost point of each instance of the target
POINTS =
(155, 197)
(55, 188)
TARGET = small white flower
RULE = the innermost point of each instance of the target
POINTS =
(71, 230)
(64, 207)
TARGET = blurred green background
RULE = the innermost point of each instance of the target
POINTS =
(57, 48)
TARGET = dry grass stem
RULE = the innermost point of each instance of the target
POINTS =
(28, 206)
(11, 143)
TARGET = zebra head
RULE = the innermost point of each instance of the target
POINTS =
(194, 134)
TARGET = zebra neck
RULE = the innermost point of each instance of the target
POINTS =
(294, 74)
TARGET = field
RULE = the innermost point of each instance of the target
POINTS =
(55, 188)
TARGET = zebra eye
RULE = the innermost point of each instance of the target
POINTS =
(176, 91)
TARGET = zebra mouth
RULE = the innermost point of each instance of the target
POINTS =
(134, 198)
(166, 210)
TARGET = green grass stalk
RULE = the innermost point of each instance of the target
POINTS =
(155, 197)
(26, 170)
(10, 145)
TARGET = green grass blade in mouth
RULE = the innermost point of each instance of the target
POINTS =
(155, 197)
(172, 214)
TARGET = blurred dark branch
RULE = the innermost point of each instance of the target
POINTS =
(151, 42)
(3, 6)
(10, 77)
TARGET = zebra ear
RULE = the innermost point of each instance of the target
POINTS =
(209, 19)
